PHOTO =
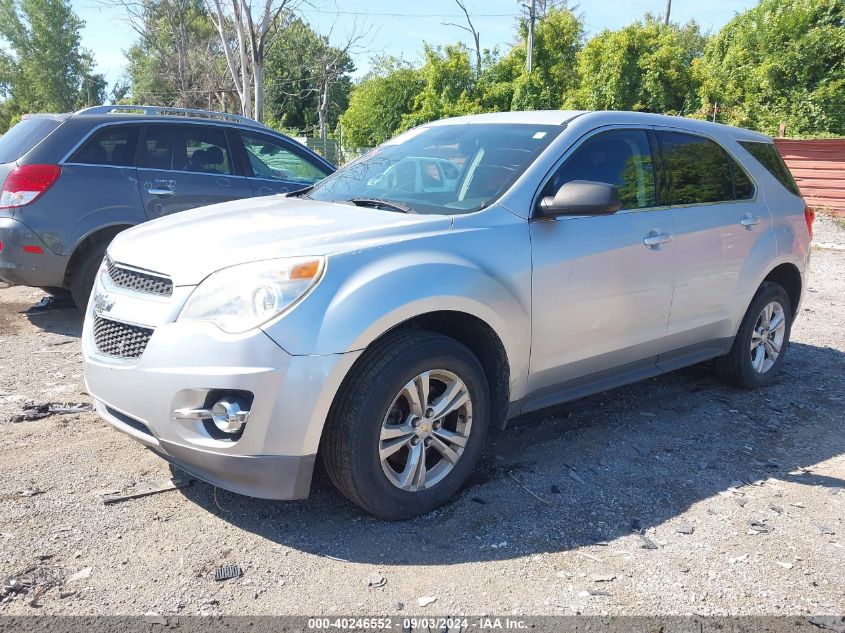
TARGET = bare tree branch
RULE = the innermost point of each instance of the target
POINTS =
(469, 28)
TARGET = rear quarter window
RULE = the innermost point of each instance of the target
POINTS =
(24, 136)
(111, 145)
(768, 156)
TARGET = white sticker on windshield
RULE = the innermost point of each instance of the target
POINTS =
(539, 135)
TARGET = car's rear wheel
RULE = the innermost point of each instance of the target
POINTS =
(57, 293)
(85, 271)
(761, 342)
(408, 425)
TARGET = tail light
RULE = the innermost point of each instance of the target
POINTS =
(809, 216)
(26, 182)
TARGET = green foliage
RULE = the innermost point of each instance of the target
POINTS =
(781, 61)
(646, 66)
(448, 87)
(177, 61)
(558, 38)
(506, 84)
(379, 102)
(44, 68)
(295, 68)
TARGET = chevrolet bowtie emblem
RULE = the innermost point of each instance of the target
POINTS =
(102, 303)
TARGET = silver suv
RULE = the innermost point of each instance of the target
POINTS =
(465, 272)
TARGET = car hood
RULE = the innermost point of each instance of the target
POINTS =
(191, 245)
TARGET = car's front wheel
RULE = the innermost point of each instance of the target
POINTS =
(408, 426)
(761, 342)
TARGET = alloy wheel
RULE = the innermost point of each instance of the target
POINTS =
(767, 337)
(426, 430)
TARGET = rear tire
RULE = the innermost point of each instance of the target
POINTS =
(85, 272)
(57, 293)
(761, 342)
(378, 408)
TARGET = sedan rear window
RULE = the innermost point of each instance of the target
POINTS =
(24, 136)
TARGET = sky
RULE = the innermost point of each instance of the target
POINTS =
(399, 28)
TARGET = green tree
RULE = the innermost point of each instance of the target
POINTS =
(505, 84)
(781, 61)
(379, 102)
(646, 66)
(177, 60)
(448, 86)
(44, 67)
(307, 80)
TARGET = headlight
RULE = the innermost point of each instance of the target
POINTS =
(240, 298)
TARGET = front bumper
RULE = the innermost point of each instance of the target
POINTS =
(182, 363)
(264, 476)
(20, 268)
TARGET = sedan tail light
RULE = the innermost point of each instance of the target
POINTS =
(809, 217)
(26, 183)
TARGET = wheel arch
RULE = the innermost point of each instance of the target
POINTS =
(104, 233)
(789, 278)
(473, 332)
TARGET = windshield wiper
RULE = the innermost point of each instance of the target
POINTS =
(299, 193)
(379, 203)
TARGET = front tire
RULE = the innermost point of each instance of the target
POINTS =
(408, 425)
(761, 342)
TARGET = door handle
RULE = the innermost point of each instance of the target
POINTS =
(653, 239)
(160, 192)
(749, 221)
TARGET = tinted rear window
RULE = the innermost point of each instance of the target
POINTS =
(111, 145)
(769, 157)
(24, 136)
(698, 169)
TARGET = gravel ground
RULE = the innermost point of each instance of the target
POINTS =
(677, 495)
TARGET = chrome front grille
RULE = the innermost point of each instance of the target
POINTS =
(138, 281)
(120, 340)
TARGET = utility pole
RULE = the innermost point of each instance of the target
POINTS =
(668, 11)
(532, 17)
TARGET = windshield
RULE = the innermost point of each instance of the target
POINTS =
(24, 136)
(447, 169)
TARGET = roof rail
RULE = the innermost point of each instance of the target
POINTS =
(147, 110)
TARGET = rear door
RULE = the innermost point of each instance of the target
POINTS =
(602, 285)
(275, 165)
(184, 166)
(719, 221)
(101, 178)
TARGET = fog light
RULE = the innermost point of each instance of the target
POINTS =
(228, 416)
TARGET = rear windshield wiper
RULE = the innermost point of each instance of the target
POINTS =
(378, 203)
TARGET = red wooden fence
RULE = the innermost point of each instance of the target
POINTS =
(819, 169)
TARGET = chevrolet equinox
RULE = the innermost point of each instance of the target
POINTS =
(465, 272)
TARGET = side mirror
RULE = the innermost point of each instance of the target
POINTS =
(581, 197)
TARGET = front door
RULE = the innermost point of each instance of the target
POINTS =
(602, 285)
(182, 167)
(275, 166)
